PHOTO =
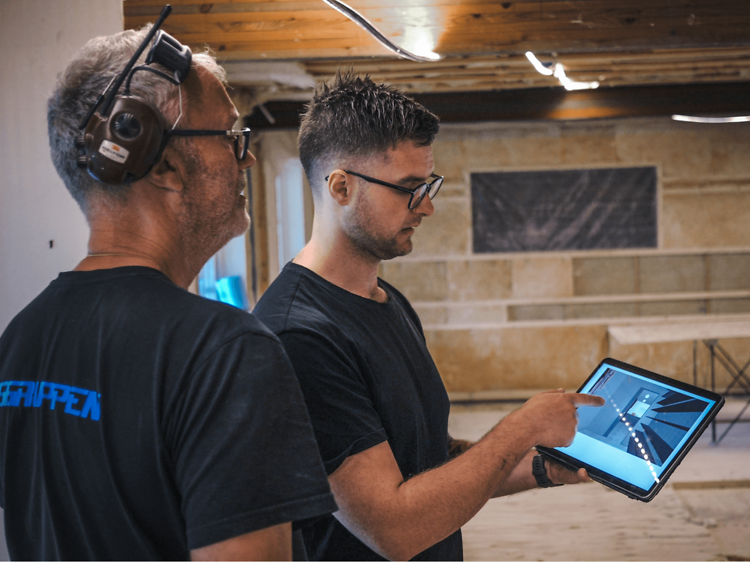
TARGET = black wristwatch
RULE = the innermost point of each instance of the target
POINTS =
(539, 470)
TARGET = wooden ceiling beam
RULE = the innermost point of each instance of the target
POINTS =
(554, 104)
(512, 72)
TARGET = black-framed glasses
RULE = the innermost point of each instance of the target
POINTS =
(417, 194)
(241, 138)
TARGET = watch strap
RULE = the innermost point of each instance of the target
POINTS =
(539, 470)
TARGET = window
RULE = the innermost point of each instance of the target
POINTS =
(224, 277)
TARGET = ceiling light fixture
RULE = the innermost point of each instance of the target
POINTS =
(537, 64)
(692, 119)
(558, 71)
(362, 22)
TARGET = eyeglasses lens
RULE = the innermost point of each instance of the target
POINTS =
(435, 187)
(430, 189)
(240, 146)
(418, 195)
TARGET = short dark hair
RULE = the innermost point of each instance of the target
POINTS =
(352, 116)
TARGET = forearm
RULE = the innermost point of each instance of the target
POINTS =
(519, 480)
(271, 543)
(399, 519)
(431, 506)
(441, 501)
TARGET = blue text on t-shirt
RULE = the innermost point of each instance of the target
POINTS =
(32, 394)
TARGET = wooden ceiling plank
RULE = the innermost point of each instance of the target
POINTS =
(562, 43)
(741, 56)
(197, 23)
(601, 69)
(556, 104)
(516, 5)
(201, 9)
(286, 49)
(461, 21)
(583, 13)
(255, 38)
(239, 5)
(656, 54)
(504, 78)
(510, 43)
(666, 54)
(215, 28)
(449, 64)
(562, 20)
(733, 22)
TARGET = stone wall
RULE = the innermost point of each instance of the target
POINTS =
(497, 323)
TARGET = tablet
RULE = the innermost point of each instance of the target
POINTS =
(647, 425)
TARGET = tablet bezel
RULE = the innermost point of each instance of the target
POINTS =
(618, 484)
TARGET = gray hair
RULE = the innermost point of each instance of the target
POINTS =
(351, 117)
(76, 91)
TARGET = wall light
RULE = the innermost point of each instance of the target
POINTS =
(558, 71)
(536, 63)
(414, 36)
(691, 119)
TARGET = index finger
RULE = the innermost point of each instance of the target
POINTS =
(586, 400)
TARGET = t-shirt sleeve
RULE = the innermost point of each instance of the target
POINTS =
(244, 453)
(337, 395)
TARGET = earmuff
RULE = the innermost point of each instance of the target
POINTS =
(122, 141)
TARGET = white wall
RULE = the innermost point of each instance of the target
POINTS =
(37, 38)
(278, 147)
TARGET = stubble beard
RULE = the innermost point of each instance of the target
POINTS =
(362, 232)
(209, 223)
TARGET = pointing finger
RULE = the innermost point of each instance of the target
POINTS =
(587, 400)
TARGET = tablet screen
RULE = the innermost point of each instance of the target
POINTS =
(643, 427)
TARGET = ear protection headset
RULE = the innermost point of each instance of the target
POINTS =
(122, 141)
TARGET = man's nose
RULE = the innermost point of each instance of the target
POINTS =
(248, 162)
(425, 207)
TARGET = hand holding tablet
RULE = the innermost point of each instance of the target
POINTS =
(636, 440)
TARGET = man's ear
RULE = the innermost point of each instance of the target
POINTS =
(339, 187)
(168, 172)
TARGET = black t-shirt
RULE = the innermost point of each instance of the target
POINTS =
(140, 421)
(367, 377)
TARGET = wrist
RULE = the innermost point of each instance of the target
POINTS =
(517, 426)
(539, 471)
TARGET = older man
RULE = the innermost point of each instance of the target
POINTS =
(378, 406)
(137, 420)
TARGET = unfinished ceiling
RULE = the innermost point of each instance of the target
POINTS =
(277, 50)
